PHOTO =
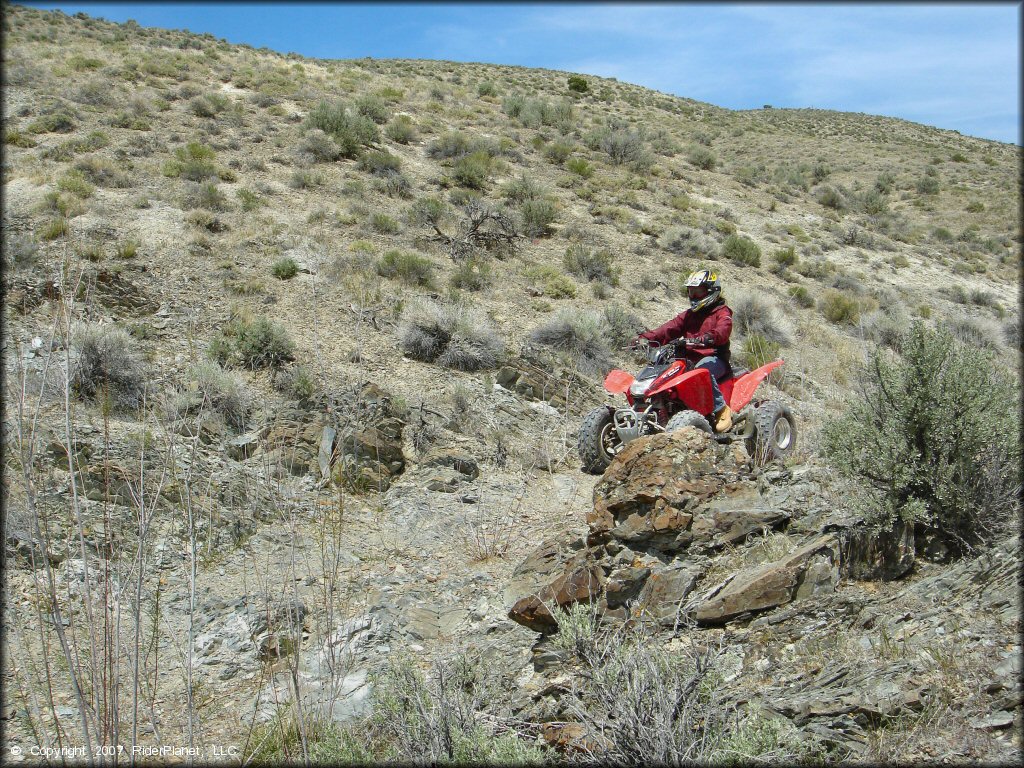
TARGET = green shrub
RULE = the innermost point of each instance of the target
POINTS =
(558, 152)
(472, 275)
(537, 216)
(450, 335)
(250, 200)
(928, 185)
(127, 249)
(522, 189)
(925, 443)
(379, 163)
(975, 206)
(54, 228)
(473, 170)
(555, 284)
(410, 268)
(758, 350)
(839, 307)
(374, 108)
(435, 717)
(401, 130)
(624, 145)
(785, 257)
(303, 178)
(208, 105)
(487, 88)
(107, 367)
(383, 224)
(350, 129)
(394, 184)
(874, 203)
(578, 84)
(74, 183)
(591, 264)
(581, 337)
(285, 268)
(428, 212)
(450, 145)
(801, 296)
(702, 157)
(742, 250)
(194, 162)
(254, 344)
(580, 167)
(830, 197)
(60, 121)
(207, 196)
(18, 139)
(885, 182)
(103, 172)
(319, 147)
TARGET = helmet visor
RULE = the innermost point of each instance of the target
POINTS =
(696, 292)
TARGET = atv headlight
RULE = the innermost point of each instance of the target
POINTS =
(638, 388)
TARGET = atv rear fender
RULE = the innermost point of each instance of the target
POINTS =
(744, 387)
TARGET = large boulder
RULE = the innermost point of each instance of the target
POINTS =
(668, 492)
(870, 553)
(812, 569)
(553, 576)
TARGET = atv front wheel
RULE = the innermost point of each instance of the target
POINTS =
(598, 441)
(774, 433)
(688, 419)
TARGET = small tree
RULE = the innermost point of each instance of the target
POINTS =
(578, 84)
(934, 438)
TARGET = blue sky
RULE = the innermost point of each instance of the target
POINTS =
(949, 65)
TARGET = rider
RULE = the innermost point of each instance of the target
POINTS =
(704, 328)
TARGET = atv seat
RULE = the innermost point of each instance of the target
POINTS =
(734, 372)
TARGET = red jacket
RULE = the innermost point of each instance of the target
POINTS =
(717, 323)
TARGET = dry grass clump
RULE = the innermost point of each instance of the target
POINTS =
(591, 264)
(753, 315)
(259, 343)
(211, 387)
(410, 268)
(450, 335)
(579, 336)
(688, 242)
(107, 366)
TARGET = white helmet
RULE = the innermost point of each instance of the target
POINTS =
(703, 289)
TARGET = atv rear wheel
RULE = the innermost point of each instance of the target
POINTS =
(688, 419)
(598, 441)
(774, 435)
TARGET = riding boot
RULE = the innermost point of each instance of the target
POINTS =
(723, 419)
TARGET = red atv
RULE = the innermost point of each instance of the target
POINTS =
(669, 394)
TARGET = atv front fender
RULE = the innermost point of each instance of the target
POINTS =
(618, 381)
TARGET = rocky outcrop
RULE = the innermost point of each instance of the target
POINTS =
(664, 503)
(664, 509)
(812, 569)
